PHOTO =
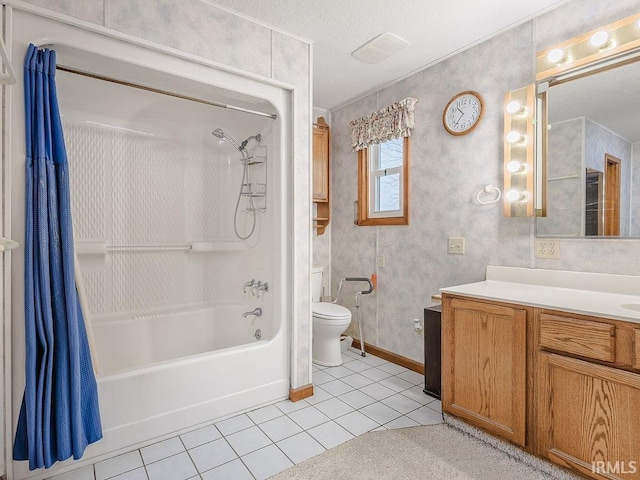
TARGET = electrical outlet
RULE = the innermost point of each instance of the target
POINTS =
(380, 261)
(456, 245)
(548, 248)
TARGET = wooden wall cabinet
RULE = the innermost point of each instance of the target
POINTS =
(484, 365)
(321, 161)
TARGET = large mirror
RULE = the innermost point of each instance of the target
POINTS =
(593, 155)
(591, 98)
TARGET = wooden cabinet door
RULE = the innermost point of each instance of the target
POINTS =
(484, 366)
(589, 417)
(320, 164)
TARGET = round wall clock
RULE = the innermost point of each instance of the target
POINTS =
(463, 113)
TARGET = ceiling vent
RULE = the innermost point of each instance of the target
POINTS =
(379, 48)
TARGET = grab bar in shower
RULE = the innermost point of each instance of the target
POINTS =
(101, 248)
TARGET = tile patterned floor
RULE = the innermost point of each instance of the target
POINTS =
(364, 394)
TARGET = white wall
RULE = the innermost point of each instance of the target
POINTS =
(445, 175)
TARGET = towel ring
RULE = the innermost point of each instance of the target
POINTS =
(489, 189)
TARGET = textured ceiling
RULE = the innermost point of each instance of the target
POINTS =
(436, 29)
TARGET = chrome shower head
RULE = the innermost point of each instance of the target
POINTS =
(218, 132)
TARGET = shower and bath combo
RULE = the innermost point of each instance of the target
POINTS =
(248, 189)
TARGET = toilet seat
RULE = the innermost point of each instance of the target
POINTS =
(330, 311)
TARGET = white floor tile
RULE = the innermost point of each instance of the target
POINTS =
(337, 387)
(247, 441)
(318, 378)
(392, 368)
(161, 450)
(318, 366)
(356, 399)
(375, 374)
(352, 352)
(266, 462)
(117, 465)
(356, 365)
(330, 434)
(178, 467)
(339, 372)
(401, 422)
(308, 417)
(425, 416)
(300, 447)
(212, 454)
(357, 423)
(357, 381)
(435, 405)
(379, 429)
(137, 474)
(396, 384)
(287, 406)
(373, 360)
(416, 394)
(280, 428)
(85, 473)
(412, 377)
(234, 424)
(401, 403)
(377, 391)
(334, 408)
(201, 436)
(319, 395)
(380, 413)
(264, 414)
(234, 470)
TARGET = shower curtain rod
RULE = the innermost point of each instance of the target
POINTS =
(63, 68)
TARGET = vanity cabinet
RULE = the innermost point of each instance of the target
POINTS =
(589, 417)
(484, 365)
(320, 175)
(563, 386)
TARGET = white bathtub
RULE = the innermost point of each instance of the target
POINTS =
(172, 348)
(131, 343)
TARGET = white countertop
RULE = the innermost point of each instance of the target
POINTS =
(600, 295)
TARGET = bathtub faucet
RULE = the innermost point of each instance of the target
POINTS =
(256, 311)
(249, 284)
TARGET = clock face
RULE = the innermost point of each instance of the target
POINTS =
(463, 113)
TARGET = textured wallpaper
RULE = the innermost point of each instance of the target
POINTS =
(445, 175)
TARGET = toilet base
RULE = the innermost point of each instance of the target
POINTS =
(327, 352)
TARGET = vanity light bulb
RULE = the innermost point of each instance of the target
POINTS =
(514, 137)
(514, 166)
(556, 55)
(514, 107)
(600, 39)
(512, 195)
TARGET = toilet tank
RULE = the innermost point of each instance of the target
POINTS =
(316, 283)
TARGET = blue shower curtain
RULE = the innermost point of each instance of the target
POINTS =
(59, 416)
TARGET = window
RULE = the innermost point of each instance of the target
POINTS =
(383, 183)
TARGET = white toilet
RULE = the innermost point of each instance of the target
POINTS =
(329, 321)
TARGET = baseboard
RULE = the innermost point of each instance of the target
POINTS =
(300, 393)
(390, 356)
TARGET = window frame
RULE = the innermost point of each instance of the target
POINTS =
(365, 215)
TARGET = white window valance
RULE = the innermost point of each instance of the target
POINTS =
(391, 122)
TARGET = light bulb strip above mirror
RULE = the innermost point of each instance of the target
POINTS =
(519, 152)
(613, 40)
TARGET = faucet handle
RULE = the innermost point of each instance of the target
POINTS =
(249, 284)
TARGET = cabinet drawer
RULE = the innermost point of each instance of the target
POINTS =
(579, 337)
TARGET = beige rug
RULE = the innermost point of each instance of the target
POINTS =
(437, 452)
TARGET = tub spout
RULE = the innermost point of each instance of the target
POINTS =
(256, 311)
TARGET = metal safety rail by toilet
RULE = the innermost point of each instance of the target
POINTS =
(363, 292)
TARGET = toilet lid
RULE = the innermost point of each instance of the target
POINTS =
(329, 310)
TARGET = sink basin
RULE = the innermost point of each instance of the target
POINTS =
(631, 306)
